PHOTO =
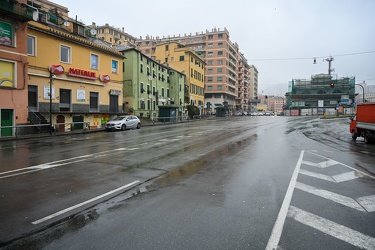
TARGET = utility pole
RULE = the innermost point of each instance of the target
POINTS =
(329, 60)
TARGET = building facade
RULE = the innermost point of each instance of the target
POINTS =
(112, 35)
(184, 59)
(323, 94)
(14, 16)
(73, 81)
(151, 87)
(223, 65)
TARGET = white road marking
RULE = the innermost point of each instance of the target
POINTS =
(279, 224)
(338, 198)
(347, 176)
(59, 163)
(82, 204)
(373, 177)
(317, 175)
(314, 164)
(368, 202)
(327, 163)
(331, 228)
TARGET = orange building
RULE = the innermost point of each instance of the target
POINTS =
(13, 64)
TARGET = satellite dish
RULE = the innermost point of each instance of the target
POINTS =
(93, 32)
(66, 23)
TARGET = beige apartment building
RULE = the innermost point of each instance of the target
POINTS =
(112, 35)
(229, 80)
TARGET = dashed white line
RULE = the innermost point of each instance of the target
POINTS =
(279, 224)
(331, 228)
(59, 163)
(83, 203)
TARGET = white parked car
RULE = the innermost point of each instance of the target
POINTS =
(123, 123)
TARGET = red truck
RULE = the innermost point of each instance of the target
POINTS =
(363, 124)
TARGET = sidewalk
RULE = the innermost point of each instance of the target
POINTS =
(144, 122)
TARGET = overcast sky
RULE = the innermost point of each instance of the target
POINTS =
(279, 37)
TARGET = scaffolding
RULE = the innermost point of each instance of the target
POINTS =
(321, 92)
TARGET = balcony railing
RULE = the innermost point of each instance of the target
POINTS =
(17, 10)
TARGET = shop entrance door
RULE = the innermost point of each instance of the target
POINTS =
(6, 116)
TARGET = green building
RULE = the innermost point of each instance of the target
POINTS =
(151, 87)
(323, 94)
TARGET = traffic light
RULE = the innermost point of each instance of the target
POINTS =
(332, 85)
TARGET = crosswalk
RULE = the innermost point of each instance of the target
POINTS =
(314, 166)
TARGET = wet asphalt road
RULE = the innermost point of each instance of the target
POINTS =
(212, 184)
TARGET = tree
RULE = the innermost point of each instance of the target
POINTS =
(192, 111)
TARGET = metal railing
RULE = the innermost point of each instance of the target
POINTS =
(27, 130)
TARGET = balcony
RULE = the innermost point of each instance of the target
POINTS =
(17, 10)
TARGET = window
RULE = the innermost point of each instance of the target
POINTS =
(31, 45)
(219, 70)
(166, 47)
(65, 100)
(162, 92)
(209, 88)
(94, 101)
(210, 45)
(209, 71)
(220, 35)
(210, 54)
(141, 88)
(219, 87)
(182, 58)
(209, 62)
(114, 66)
(219, 78)
(7, 34)
(7, 70)
(65, 54)
(210, 37)
(220, 45)
(94, 61)
(141, 68)
(219, 61)
(209, 79)
(220, 53)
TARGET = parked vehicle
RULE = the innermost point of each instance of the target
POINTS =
(123, 123)
(363, 124)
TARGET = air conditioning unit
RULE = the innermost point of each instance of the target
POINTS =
(171, 99)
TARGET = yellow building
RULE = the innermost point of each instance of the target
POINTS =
(86, 78)
(185, 60)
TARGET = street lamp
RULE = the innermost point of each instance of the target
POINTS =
(363, 92)
(57, 70)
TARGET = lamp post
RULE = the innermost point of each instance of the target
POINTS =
(363, 92)
(50, 101)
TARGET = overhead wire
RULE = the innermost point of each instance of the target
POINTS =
(309, 58)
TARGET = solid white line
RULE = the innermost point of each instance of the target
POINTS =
(338, 198)
(279, 224)
(82, 204)
(331, 228)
